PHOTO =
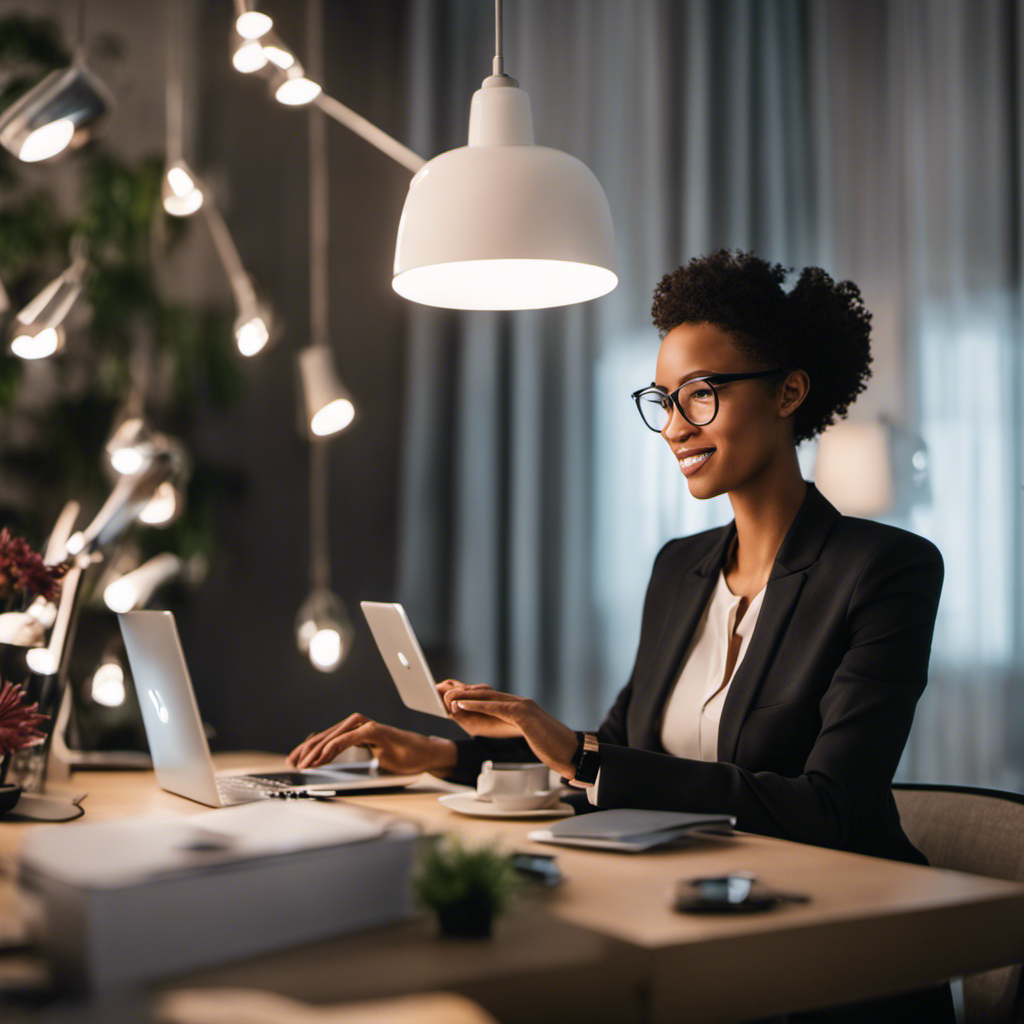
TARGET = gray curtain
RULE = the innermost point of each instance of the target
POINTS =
(879, 140)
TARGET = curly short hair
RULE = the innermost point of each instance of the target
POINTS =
(820, 326)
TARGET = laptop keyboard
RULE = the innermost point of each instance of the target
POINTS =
(247, 787)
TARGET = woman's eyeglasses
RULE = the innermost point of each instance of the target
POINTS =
(696, 400)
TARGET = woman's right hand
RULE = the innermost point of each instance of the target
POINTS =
(396, 750)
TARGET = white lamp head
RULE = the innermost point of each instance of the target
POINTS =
(36, 331)
(252, 24)
(134, 589)
(503, 223)
(292, 88)
(181, 192)
(247, 55)
(254, 324)
(323, 631)
(328, 406)
(64, 108)
(31, 341)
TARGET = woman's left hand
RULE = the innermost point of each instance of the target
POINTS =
(553, 742)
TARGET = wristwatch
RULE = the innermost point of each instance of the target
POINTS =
(586, 761)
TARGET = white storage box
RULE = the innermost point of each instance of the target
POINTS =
(122, 903)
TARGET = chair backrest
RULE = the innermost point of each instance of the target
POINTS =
(980, 831)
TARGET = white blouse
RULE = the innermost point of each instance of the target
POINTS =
(689, 724)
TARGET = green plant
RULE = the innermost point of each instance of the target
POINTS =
(465, 885)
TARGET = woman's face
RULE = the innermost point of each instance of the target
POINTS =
(753, 427)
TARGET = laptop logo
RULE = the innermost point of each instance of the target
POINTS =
(161, 708)
(404, 660)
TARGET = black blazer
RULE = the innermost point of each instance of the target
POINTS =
(818, 711)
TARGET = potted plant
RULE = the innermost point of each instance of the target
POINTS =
(19, 728)
(24, 576)
(466, 886)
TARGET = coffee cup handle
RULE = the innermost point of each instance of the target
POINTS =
(485, 781)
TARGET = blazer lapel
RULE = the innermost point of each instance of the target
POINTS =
(799, 550)
(691, 592)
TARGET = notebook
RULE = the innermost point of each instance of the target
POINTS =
(630, 830)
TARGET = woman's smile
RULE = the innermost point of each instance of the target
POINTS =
(692, 459)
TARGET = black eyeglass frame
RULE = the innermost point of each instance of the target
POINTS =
(714, 379)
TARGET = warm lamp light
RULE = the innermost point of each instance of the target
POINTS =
(329, 408)
(108, 684)
(181, 192)
(323, 631)
(292, 87)
(36, 331)
(134, 589)
(854, 468)
(62, 109)
(503, 223)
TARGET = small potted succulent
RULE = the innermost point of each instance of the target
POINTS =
(465, 886)
(19, 728)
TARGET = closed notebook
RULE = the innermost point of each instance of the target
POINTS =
(629, 829)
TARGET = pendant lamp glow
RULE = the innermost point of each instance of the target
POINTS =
(64, 108)
(37, 331)
(323, 631)
(251, 24)
(181, 192)
(503, 223)
(329, 408)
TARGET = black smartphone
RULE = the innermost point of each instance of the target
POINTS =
(538, 867)
(730, 894)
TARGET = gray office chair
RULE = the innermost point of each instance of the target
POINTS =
(980, 831)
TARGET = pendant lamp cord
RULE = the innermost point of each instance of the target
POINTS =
(319, 240)
(175, 85)
(498, 66)
(80, 31)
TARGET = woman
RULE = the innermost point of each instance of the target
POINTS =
(780, 657)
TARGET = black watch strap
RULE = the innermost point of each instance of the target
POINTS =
(586, 760)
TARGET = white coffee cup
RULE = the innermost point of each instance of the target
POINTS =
(515, 787)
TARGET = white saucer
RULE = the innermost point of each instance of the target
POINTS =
(467, 803)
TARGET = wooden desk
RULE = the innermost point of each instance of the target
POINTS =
(607, 937)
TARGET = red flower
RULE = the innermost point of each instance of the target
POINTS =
(19, 722)
(23, 572)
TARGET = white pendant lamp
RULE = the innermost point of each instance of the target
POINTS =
(134, 589)
(323, 631)
(250, 23)
(329, 407)
(181, 193)
(503, 223)
(64, 108)
(37, 331)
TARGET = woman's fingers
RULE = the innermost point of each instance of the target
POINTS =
(506, 710)
(311, 751)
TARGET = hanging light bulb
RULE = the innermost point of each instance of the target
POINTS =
(107, 686)
(503, 223)
(166, 505)
(133, 445)
(252, 24)
(181, 192)
(253, 323)
(329, 408)
(276, 51)
(247, 55)
(63, 109)
(134, 589)
(293, 88)
(36, 331)
(323, 631)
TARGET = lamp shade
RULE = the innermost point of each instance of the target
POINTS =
(854, 468)
(323, 630)
(503, 223)
(36, 332)
(329, 409)
(47, 119)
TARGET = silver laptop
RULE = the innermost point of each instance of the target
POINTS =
(177, 743)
